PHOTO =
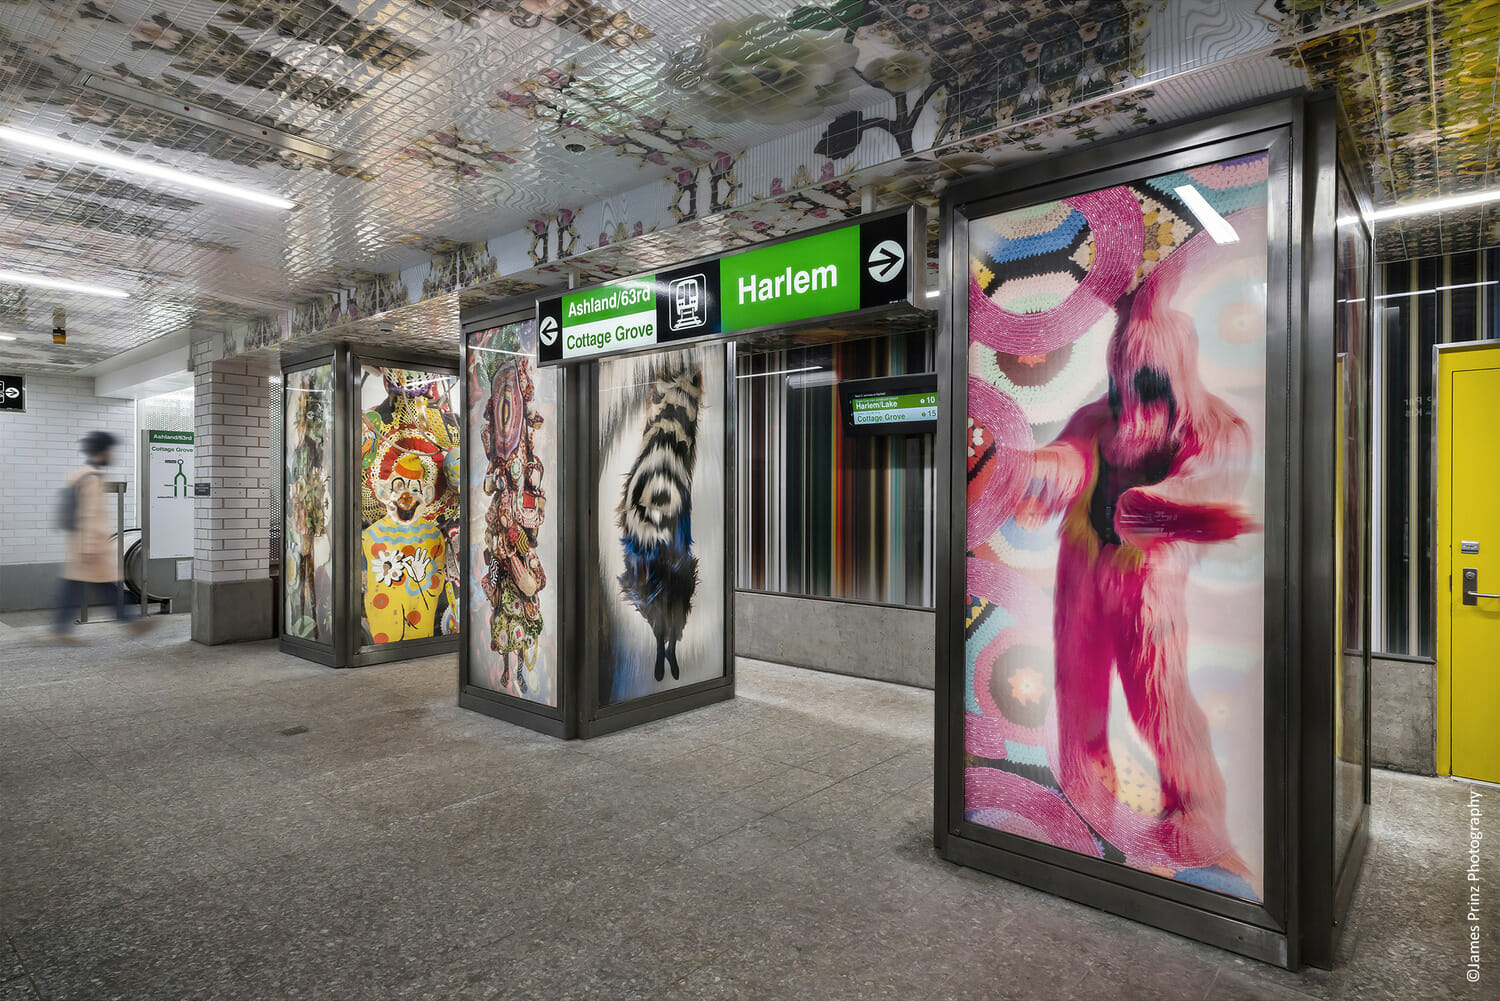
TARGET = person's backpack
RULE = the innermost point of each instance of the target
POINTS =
(67, 506)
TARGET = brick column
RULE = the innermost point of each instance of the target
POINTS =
(233, 600)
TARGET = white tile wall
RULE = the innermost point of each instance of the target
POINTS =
(233, 454)
(40, 448)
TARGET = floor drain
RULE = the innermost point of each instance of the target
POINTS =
(292, 731)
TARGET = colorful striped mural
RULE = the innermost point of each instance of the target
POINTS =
(823, 514)
(1420, 303)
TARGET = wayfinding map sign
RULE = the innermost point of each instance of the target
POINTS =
(822, 274)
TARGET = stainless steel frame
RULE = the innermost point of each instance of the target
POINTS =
(1327, 886)
(1298, 640)
(560, 721)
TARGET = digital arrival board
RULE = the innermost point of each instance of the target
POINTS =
(806, 278)
(893, 404)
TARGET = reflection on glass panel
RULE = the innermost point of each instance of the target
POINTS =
(660, 530)
(408, 504)
(1115, 497)
(513, 544)
(1420, 303)
(823, 512)
(307, 566)
(1351, 516)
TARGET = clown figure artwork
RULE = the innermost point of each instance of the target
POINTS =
(410, 466)
(405, 553)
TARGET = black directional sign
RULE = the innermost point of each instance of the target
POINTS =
(13, 392)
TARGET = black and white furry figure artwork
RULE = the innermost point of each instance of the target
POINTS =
(655, 513)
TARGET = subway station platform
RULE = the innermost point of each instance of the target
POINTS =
(178, 822)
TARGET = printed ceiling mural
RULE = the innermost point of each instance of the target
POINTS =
(435, 146)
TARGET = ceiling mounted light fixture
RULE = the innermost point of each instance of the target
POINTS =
(60, 284)
(1431, 205)
(7, 337)
(106, 158)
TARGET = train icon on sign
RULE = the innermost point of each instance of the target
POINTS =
(687, 301)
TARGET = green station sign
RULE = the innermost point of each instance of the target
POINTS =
(794, 281)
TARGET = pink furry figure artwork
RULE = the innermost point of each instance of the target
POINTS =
(1144, 478)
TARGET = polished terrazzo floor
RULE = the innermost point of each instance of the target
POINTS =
(187, 822)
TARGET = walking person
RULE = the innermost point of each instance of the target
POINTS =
(91, 555)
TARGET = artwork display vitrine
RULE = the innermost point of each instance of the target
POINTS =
(1116, 654)
(371, 507)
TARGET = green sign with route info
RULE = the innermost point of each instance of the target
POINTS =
(897, 408)
(834, 271)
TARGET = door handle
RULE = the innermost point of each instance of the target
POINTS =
(1470, 582)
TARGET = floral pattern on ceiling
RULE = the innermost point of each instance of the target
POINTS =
(215, 51)
(533, 132)
(319, 22)
(1418, 87)
(588, 20)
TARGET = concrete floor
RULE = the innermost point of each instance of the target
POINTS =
(179, 821)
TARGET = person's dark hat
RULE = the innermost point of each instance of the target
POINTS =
(98, 441)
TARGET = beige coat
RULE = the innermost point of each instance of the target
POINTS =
(91, 550)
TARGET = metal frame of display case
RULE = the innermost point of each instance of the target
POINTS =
(595, 718)
(346, 648)
(1328, 886)
(561, 720)
(327, 654)
(1298, 624)
(579, 712)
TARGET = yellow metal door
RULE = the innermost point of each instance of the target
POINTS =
(1469, 537)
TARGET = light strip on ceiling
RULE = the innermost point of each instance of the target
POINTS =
(60, 284)
(1432, 205)
(783, 371)
(7, 337)
(105, 158)
(1431, 291)
(1218, 227)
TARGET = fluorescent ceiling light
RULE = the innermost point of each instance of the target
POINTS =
(783, 371)
(1432, 205)
(934, 293)
(105, 158)
(1430, 291)
(61, 285)
(7, 337)
(1218, 227)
